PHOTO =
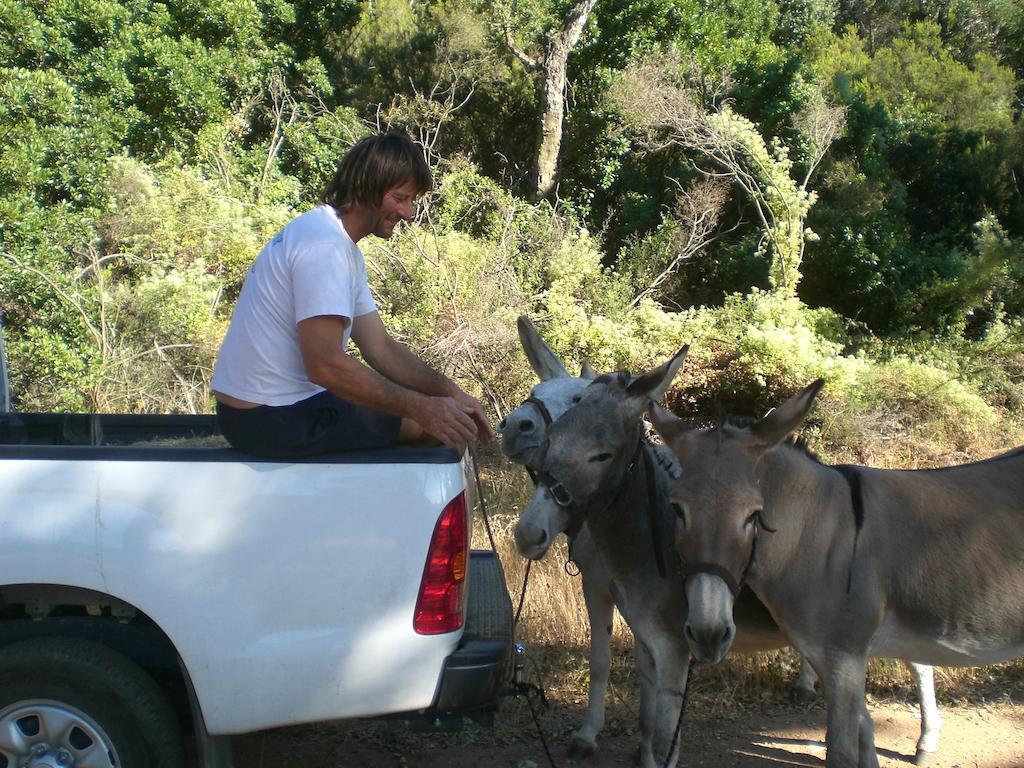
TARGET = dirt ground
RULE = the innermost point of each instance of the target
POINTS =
(722, 731)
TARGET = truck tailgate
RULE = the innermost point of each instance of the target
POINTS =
(481, 666)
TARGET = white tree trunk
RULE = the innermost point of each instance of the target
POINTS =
(552, 111)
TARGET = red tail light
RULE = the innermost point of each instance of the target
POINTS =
(442, 589)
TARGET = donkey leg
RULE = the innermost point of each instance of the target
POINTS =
(931, 720)
(600, 611)
(672, 671)
(867, 756)
(849, 739)
(647, 673)
(805, 682)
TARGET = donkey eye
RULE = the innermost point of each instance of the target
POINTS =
(576, 398)
(600, 457)
(680, 512)
(754, 517)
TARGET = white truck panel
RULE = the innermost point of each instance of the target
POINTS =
(184, 540)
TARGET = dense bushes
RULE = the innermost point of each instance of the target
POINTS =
(134, 319)
(137, 327)
(929, 155)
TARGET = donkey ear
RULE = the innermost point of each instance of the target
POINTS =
(587, 371)
(673, 431)
(543, 361)
(653, 384)
(774, 427)
(667, 424)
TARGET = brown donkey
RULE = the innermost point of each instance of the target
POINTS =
(851, 561)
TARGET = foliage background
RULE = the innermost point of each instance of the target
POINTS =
(148, 150)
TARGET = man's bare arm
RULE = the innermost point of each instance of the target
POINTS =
(329, 366)
(396, 362)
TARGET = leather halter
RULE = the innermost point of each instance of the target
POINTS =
(564, 498)
(539, 405)
(714, 569)
(546, 416)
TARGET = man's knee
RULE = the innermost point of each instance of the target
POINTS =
(410, 431)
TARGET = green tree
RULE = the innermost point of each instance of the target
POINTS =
(664, 109)
(930, 151)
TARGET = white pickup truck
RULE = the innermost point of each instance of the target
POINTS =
(146, 590)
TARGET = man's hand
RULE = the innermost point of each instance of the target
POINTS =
(472, 406)
(447, 420)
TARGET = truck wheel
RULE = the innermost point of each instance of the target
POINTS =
(77, 704)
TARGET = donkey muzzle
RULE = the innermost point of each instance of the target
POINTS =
(709, 627)
(532, 541)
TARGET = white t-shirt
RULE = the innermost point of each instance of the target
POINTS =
(311, 267)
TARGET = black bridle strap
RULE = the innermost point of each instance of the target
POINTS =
(565, 499)
(539, 405)
(546, 416)
(576, 522)
(652, 509)
(714, 569)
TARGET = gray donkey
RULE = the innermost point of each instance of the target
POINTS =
(524, 433)
(851, 561)
(523, 436)
(597, 471)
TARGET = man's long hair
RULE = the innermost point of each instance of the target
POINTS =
(373, 166)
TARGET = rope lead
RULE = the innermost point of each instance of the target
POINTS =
(520, 688)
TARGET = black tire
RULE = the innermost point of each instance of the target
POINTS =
(114, 706)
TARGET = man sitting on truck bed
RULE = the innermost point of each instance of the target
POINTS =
(285, 384)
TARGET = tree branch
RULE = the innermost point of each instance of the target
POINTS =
(529, 62)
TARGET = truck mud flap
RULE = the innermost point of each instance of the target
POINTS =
(481, 667)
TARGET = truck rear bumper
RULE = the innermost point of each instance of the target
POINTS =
(481, 667)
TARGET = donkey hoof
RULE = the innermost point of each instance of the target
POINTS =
(581, 749)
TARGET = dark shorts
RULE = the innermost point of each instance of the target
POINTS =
(323, 423)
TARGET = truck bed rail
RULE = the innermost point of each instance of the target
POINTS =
(162, 437)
